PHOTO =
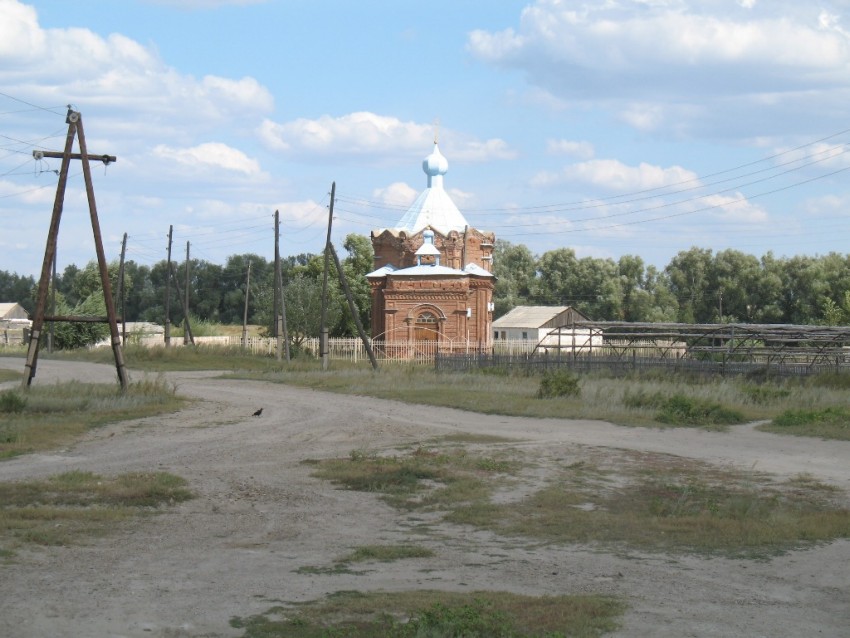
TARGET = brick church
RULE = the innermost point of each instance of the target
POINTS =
(433, 280)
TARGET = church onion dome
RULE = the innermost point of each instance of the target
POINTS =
(435, 165)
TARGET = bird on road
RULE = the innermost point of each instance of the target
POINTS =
(258, 412)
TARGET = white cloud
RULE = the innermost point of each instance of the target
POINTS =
(396, 194)
(303, 213)
(210, 155)
(353, 134)
(687, 49)
(736, 208)
(614, 175)
(831, 205)
(57, 66)
(462, 199)
(580, 150)
(821, 155)
(626, 35)
(379, 137)
(19, 32)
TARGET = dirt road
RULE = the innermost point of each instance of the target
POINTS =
(259, 517)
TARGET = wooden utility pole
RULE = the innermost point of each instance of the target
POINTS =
(245, 314)
(121, 292)
(280, 302)
(186, 302)
(168, 290)
(75, 131)
(173, 273)
(323, 332)
(352, 307)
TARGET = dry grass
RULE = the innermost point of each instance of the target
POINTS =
(49, 416)
(668, 402)
(66, 508)
(11, 375)
(651, 502)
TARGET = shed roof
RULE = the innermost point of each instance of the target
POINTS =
(534, 317)
(13, 311)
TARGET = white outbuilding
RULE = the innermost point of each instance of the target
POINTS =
(540, 324)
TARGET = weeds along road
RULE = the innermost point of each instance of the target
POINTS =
(263, 531)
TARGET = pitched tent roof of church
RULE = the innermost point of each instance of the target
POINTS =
(434, 207)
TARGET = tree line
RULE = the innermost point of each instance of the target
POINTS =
(697, 286)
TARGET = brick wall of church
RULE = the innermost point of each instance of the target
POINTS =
(399, 248)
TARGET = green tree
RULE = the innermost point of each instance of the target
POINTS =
(303, 296)
(16, 288)
(515, 269)
(689, 275)
(70, 335)
(359, 262)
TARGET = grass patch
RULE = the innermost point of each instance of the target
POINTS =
(421, 614)
(424, 478)
(64, 508)
(386, 553)
(378, 553)
(49, 416)
(11, 375)
(648, 400)
(645, 502)
(661, 505)
(177, 358)
(826, 423)
(651, 402)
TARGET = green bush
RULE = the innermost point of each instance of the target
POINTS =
(764, 394)
(560, 383)
(643, 399)
(682, 410)
(794, 418)
(12, 402)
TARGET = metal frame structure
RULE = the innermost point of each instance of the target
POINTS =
(757, 343)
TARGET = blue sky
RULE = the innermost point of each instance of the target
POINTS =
(614, 127)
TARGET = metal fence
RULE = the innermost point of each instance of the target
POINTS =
(352, 349)
(634, 364)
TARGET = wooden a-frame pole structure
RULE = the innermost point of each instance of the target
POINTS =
(75, 130)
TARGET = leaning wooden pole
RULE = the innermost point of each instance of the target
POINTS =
(49, 255)
(323, 332)
(353, 308)
(101, 261)
(122, 296)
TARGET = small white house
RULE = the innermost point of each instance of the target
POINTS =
(540, 324)
(13, 311)
(14, 324)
